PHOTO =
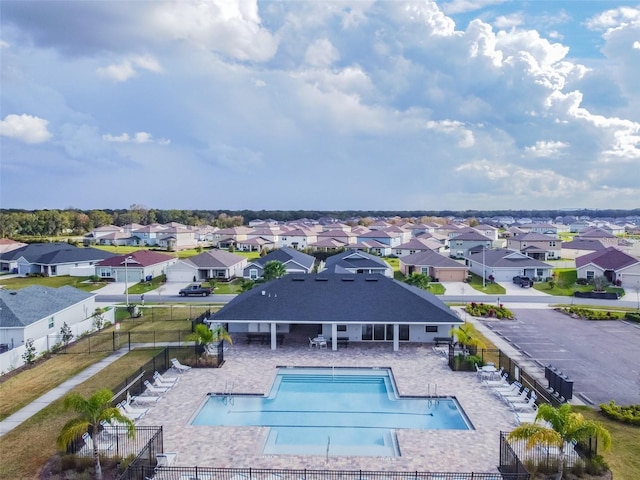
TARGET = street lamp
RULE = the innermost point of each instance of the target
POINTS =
(126, 279)
(484, 282)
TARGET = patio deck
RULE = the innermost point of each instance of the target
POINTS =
(251, 369)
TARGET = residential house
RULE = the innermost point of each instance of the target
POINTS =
(488, 231)
(134, 267)
(541, 228)
(461, 244)
(606, 238)
(355, 308)
(225, 237)
(416, 245)
(390, 239)
(298, 238)
(357, 262)
(212, 264)
(293, 261)
(579, 247)
(7, 245)
(52, 259)
(177, 237)
(331, 240)
(536, 245)
(38, 313)
(438, 267)
(255, 244)
(502, 265)
(616, 266)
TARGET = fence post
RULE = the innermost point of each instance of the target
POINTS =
(113, 340)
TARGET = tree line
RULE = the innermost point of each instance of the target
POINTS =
(15, 223)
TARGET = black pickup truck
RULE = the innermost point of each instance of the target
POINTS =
(195, 289)
(524, 282)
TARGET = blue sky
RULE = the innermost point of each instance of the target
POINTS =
(392, 105)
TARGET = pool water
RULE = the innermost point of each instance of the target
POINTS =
(332, 411)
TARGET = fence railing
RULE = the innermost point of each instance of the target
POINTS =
(141, 472)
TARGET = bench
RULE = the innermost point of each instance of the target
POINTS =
(445, 340)
(264, 338)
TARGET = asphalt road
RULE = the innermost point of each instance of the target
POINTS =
(601, 357)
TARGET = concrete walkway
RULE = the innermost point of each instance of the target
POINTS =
(58, 392)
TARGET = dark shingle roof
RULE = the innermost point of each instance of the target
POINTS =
(354, 260)
(56, 253)
(584, 244)
(19, 308)
(431, 259)
(286, 254)
(608, 259)
(503, 258)
(315, 298)
(215, 259)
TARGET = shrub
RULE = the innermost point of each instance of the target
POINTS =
(482, 310)
(632, 317)
(29, 355)
(629, 414)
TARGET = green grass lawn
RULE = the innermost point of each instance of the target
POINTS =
(228, 288)
(144, 287)
(81, 283)
(436, 288)
(490, 288)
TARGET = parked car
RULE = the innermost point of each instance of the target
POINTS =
(524, 282)
(195, 289)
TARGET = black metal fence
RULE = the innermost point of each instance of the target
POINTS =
(115, 442)
(545, 459)
(142, 472)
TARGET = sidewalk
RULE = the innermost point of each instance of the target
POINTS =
(61, 390)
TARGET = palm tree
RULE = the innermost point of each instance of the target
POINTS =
(468, 336)
(203, 335)
(91, 412)
(563, 427)
(273, 269)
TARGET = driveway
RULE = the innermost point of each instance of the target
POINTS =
(460, 289)
(513, 289)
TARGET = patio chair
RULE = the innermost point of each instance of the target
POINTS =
(501, 382)
(87, 449)
(312, 343)
(164, 378)
(180, 368)
(165, 459)
(114, 429)
(154, 388)
(529, 405)
(146, 399)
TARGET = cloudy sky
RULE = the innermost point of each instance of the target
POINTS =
(392, 105)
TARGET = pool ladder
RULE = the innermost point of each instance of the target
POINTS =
(228, 389)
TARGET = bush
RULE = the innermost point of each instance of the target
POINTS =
(589, 314)
(483, 310)
(629, 414)
(632, 317)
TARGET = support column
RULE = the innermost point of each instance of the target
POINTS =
(334, 336)
(273, 336)
(396, 337)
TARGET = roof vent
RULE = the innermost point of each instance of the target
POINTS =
(371, 279)
(297, 279)
(264, 292)
(348, 279)
(321, 279)
(13, 293)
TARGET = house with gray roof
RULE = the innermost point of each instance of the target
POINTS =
(356, 261)
(613, 264)
(503, 264)
(293, 261)
(461, 243)
(579, 246)
(51, 259)
(356, 308)
(438, 267)
(536, 245)
(38, 313)
(213, 264)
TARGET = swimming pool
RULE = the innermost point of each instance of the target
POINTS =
(332, 411)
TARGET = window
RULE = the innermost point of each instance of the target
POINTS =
(431, 329)
(52, 322)
(424, 270)
(384, 332)
(591, 274)
(539, 272)
(552, 244)
(253, 274)
(341, 328)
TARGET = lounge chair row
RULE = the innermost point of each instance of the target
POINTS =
(519, 398)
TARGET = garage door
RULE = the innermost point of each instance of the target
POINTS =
(179, 275)
(450, 275)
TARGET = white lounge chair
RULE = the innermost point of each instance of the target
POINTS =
(164, 378)
(312, 343)
(143, 399)
(177, 366)
(165, 459)
(134, 410)
(521, 396)
(154, 388)
(501, 382)
(512, 389)
(114, 429)
(529, 405)
(133, 416)
(88, 445)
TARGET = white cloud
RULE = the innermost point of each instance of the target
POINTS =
(125, 70)
(138, 137)
(546, 148)
(321, 53)
(508, 21)
(614, 18)
(232, 28)
(26, 128)
(455, 129)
